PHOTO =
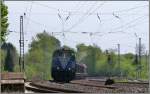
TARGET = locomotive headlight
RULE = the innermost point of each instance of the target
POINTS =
(57, 68)
(69, 68)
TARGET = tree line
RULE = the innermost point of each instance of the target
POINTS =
(100, 63)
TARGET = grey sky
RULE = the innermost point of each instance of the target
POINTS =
(133, 18)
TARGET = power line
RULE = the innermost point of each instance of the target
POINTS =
(26, 9)
(45, 5)
(96, 33)
(63, 21)
(81, 13)
(30, 10)
(128, 23)
(41, 24)
(88, 15)
(106, 13)
(129, 9)
(82, 18)
(127, 26)
(130, 26)
(102, 13)
(79, 5)
(49, 7)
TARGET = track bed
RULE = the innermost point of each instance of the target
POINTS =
(87, 86)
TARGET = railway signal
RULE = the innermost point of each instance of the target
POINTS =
(109, 58)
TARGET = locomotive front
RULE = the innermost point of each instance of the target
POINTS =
(63, 65)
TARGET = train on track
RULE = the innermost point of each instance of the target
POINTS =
(81, 71)
(65, 67)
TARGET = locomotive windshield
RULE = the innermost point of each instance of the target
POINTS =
(64, 56)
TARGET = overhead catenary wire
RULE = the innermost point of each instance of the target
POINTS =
(96, 33)
(82, 19)
(73, 14)
(105, 33)
(132, 8)
(29, 15)
(88, 33)
(81, 13)
(129, 9)
(85, 13)
(53, 8)
(128, 23)
(128, 26)
(26, 8)
(63, 21)
(79, 6)
(122, 26)
(41, 24)
(135, 24)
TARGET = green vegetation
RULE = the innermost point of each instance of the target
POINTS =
(100, 63)
(38, 59)
(4, 21)
(8, 57)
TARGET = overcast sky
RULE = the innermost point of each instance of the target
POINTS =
(116, 22)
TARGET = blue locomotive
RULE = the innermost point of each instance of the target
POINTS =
(63, 65)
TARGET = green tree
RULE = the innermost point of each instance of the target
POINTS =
(10, 58)
(3, 55)
(4, 21)
(89, 56)
(129, 56)
(38, 59)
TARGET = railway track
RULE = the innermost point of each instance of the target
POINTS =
(128, 82)
(42, 87)
(86, 86)
(119, 79)
(135, 87)
(90, 83)
(73, 87)
(39, 89)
